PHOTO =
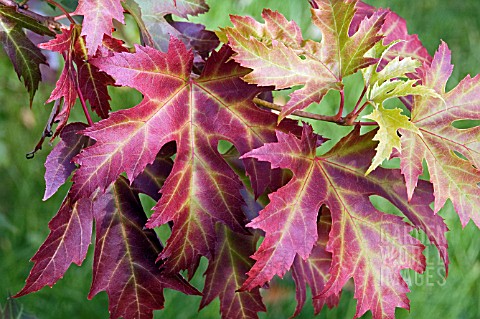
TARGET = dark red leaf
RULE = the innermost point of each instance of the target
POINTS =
(68, 241)
(196, 113)
(98, 20)
(25, 56)
(226, 273)
(154, 19)
(125, 253)
(195, 36)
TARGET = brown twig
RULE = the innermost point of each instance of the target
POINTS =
(360, 99)
(48, 21)
(303, 114)
(47, 131)
(348, 120)
(74, 78)
(342, 104)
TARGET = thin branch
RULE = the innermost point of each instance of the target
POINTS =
(366, 123)
(60, 17)
(303, 114)
(74, 78)
(47, 131)
(359, 99)
(348, 120)
(84, 105)
(61, 8)
(357, 113)
(342, 104)
(351, 117)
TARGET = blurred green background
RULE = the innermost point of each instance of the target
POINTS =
(24, 217)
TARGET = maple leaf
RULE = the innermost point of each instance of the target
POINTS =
(314, 270)
(389, 122)
(98, 20)
(25, 56)
(392, 70)
(195, 112)
(398, 88)
(156, 25)
(59, 165)
(226, 273)
(368, 245)
(279, 56)
(345, 54)
(396, 39)
(383, 85)
(84, 78)
(125, 253)
(453, 177)
(68, 241)
(395, 32)
(65, 87)
(272, 52)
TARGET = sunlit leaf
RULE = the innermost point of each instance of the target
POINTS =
(453, 177)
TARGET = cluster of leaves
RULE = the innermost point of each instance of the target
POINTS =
(200, 88)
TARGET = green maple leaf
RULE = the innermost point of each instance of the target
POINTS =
(387, 84)
(398, 88)
(389, 121)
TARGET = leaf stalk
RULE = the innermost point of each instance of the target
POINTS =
(348, 120)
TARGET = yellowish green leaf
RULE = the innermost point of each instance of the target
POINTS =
(389, 121)
(394, 69)
(379, 93)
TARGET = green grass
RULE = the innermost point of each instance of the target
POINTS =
(24, 217)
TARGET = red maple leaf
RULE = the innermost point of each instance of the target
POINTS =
(196, 113)
(98, 20)
(280, 57)
(78, 76)
(366, 244)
